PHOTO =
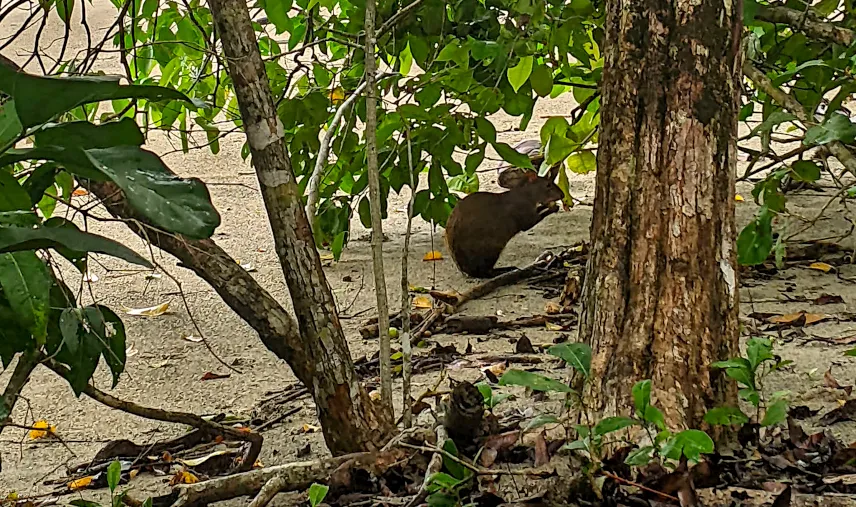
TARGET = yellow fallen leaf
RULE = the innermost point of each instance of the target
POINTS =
(497, 369)
(553, 327)
(552, 308)
(433, 255)
(738, 198)
(81, 483)
(790, 318)
(79, 192)
(813, 318)
(418, 290)
(133, 473)
(258, 464)
(183, 477)
(422, 302)
(152, 311)
(327, 257)
(374, 395)
(821, 266)
(309, 428)
(13, 495)
(42, 429)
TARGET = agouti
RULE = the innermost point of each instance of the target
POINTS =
(482, 223)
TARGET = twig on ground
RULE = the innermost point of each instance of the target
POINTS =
(187, 418)
(268, 491)
(434, 466)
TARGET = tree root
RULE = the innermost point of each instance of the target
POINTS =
(293, 476)
(189, 419)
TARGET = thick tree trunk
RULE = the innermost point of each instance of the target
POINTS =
(349, 419)
(660, 298)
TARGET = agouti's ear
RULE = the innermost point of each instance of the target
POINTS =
(531, 176)
(513, 177)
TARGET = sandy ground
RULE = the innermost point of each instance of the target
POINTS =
(164, 369)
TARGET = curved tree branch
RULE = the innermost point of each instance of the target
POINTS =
(811, 27)
(791, 104)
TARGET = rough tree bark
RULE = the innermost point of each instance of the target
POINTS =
(350, 420)
(660, 297)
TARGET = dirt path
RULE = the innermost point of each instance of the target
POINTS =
(164, 369)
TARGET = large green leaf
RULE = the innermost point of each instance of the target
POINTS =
(532, 381)
(13, 338)
(10, 125)
(756, 239)
(26, 283)
(83, 134)
(837, 128)
(38, 99)
(518, 74)
(577, 355)
(87, 334)
(13, 239)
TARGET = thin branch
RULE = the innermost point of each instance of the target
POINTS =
(185, 418)
(406, 352)
(799, 22)
(374, 200)
(27, 362)
(389, 24)
(787, 101)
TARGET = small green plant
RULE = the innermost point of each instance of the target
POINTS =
(749, 372)
(317, 493)
(491, 399)
(592, 438)
(445, 487)
(114, 476)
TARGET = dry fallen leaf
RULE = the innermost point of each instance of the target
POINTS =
(79, 192)
(90, 277)
(258, 464)
(327, 257)
(183, 477)
(553, 327)
(213, 376)
(190, 338)
(133, 473)
(421, 302)
(552, 308)
(832, 383)
(248, 267)
(42, 429)
(198, 461)
(497, 369)
(798, 318)
(828, 299)
(433, 255)
(81, 483)
(821, 266)
(374, 395)
(166, 457)
(152, 311)
(309, 428)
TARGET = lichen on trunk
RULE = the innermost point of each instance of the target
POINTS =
(660, 296)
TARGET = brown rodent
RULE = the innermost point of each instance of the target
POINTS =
(482, 223)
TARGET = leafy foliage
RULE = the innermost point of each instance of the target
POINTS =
(39, 311)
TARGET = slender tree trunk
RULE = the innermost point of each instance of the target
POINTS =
(350, 421)
(660, 297)
(376, 213)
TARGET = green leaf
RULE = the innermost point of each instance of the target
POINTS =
(317, 493)
(467, 183)
(806, 171)
(518, 74)
(512, 156)
(850, 353)
(114, 332)
(456, 470)
(690, 443)
(406, 60)
(758, 350)
(38, 99)
(532, 381)
(772, 121)
(578, 355)
(13, 239)
(826, 7)
(775, 413)
(750, 8)
(542, 80)
(654, 416)
(26, 283)
(486, 129)
(10, 125)
(114, 474)
(322, 75)
(83, 134)
(175, 204)
(837, 128)
(79, 502)
(39, 182)
(640, 457)
(755, 241)
(65, 9)
(576, 445)
(455, 52)
(725, 416)
(582, 162)
(14, 199)
(642, 396)
(442, 480)
(541, 420)
(612, 424)
(558, 148)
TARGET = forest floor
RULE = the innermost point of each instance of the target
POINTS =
(166, 364)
